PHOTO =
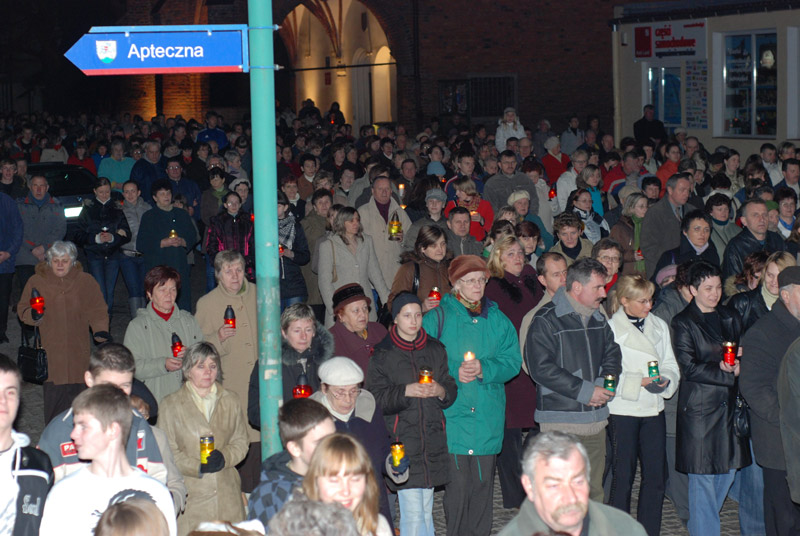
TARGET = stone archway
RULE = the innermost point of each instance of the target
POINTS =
(396, 22)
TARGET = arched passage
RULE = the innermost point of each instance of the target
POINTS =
(322, 36)
(384, 79)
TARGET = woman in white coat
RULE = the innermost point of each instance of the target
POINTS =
(636, 428)
(508, 126)
(348, 256)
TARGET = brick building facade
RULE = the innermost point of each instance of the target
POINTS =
(555, 56)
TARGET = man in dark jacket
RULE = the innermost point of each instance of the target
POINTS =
(763, 348)
(27, 472)
(754, 237)
(661, 228)
(459, 241)
(302, 423)
(10, 242)
(148, 169)
(648, 128)
(569, 350)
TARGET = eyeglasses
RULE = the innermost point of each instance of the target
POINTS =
(606, 258)
(351, 394)
(479, 282)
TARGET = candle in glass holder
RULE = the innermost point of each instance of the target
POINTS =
(610, 382)
(177, 344)
(425, 375)
(173, 233)
(302, 389)
(552, 193)
(469, 356)
(729, 353)
(398, 452)
(652, 370)
(206, 447)
(37, 301)
(230, 317)
(434, 294)
(280, 248)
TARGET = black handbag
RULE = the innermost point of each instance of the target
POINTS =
(32, 360)
(741, 418)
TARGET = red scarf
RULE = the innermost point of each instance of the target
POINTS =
(165, 316)
(401, 343)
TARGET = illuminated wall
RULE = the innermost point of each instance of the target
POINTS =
(363, 41)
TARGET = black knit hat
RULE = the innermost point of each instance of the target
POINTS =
(789, 276)
(348, 294)
(401, 300)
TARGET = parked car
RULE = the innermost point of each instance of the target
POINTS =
(72, 185)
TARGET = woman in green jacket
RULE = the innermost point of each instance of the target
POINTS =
(482, 356)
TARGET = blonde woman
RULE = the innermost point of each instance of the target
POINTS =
(341, 472)
(637, 424)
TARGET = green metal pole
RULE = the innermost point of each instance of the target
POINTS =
(265, 208)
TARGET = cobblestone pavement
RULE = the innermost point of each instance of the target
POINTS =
(30, 422)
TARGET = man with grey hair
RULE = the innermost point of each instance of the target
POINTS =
(661, 228)
(555, 476)
(570, 350)
(765, 344)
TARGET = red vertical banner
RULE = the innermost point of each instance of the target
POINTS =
(643, 42)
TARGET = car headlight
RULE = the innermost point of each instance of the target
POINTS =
(73, 212)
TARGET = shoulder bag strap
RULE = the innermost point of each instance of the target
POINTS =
(415, 285)
(334, 277)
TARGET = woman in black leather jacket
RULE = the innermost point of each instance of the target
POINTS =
(754, 304)
(102, 230)
(707, 448)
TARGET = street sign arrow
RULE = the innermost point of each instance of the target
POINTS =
(109, 50)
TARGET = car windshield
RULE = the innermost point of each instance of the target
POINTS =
(67, 181)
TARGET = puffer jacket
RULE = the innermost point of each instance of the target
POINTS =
(706, 443)
(96, 216)
(418, 422)
(475, 422)
(567, 360)
(750, 305)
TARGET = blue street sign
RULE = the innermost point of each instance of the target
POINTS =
(215, 48)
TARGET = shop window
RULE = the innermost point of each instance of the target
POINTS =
(665, 94)
(751, 85)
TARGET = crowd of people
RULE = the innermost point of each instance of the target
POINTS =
(464, 302)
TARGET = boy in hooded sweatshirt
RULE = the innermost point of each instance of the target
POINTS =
(26, 474)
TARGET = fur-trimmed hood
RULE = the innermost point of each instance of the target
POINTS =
(320, 351)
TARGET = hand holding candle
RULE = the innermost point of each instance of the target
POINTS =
(37, 304)
(729, 353)
(470, 368)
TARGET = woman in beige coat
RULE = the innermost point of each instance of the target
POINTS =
(202, 407)
(349, 257)
(237, 346)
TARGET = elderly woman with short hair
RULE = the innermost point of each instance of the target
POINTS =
(149, 335)
(199, 409)
(238, 344)
(74, 305)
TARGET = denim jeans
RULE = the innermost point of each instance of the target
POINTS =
(105, 271)
(211, 279)
(706, 495)
(748, 491)
(286, 302)
(133, 273)
(416, 511)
